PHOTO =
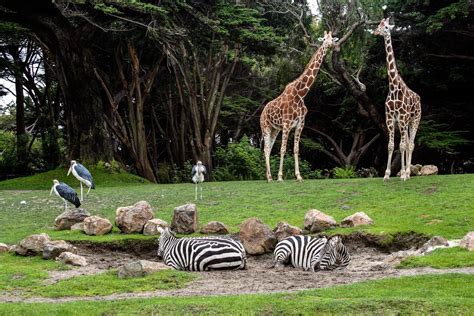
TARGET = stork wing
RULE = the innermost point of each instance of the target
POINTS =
(193, 172)
(68, 193)
(204, 169)
(84, 173)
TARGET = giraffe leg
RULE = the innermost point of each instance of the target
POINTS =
(403, 150)
(411, 144)
(269, 138)
(296, 150)
(391, 146)
(284, 141)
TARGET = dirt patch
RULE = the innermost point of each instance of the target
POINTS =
(260, 276)
(430, 190)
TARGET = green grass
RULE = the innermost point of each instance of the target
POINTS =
(437, 205)
(434, 294)
(26, 276)
(44, 181)
(441, 259)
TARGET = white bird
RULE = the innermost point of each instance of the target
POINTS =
(198, 173)
(83, 175)
(66, 193)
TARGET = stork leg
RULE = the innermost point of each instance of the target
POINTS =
(81, 192)
(201, 190)
(65, 205)
(196, 192)
(89, 190)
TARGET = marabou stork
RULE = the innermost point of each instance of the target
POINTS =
(198, 173)
(83, 175)
(66, 193)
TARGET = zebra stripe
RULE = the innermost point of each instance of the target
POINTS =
(311, 254)
(201, 254)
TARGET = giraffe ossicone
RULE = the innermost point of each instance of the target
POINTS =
(402, 108)
(288, 111)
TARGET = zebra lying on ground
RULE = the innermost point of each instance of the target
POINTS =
(201, 254)
(312, 253)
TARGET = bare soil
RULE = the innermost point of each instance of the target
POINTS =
(260, 276)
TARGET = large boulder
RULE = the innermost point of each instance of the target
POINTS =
(283, 230)
(151, 227)
(433, 244)
(429, 170)
(140, 268)
(416, 169)
(70, 217)
(4, 248)
(78, 226)
(468, 241)
(54, 248)
(257, 237)
(132, 219)
(316, 221)
(214, 228)
(185, 219)
(95, 225)
(71, 258)
(356, 219)
(32, 245)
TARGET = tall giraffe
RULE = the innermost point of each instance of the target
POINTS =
(402, 107)
(288, 111)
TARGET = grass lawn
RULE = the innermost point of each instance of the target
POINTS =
(451, 294)
(437, 205)
(26, 275)
(441, 259)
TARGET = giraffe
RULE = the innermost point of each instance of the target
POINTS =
(288, 111)
(402, 108)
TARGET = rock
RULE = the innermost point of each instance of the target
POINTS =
(54, 248)
(132, 219)
(283, 230)
(4, 248)
(356, 219)
(20, 250)
(140, 268)
(468, 241)
(429, 170)
(185, 219)
(416, 170)
(95, 225)
(78, 226)
(70, 217)
(214, 228)
(316, 221)
(256, 237)
(70, 258)
(151, 227)
(434, 243)
(32, 245)
(395, 258)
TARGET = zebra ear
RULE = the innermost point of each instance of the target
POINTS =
(160, 229)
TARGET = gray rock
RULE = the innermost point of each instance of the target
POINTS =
(78, 226)
(132, 219)
(4, 248)
(140, 268)
(151, 227)
(283, 230)
(434, 243)
(356, 219)
(257, 237)
(468, 241)
(32, 245)
(215, 228)
(316, 221)
(70, 217)
(429, 170)
(95, 225)
(71, 258)
(54, 248)
(185, 219)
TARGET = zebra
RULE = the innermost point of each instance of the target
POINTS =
(312, 254)
(201, 254)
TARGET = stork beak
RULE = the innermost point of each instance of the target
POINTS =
(51, 192)
(70, 169)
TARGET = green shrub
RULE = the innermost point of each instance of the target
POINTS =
(344, 172)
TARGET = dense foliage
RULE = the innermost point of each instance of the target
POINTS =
(156, 86)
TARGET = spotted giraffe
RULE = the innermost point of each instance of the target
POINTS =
(402, 108)
(288, 111)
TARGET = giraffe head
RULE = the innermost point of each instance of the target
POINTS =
(328, 40)
(384, 28)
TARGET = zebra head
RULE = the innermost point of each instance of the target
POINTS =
(166, 236)
(334, 255)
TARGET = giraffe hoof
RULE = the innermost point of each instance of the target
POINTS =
(280, 180)
(386, 179)
(299, 179)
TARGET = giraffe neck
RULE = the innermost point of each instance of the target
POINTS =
(391, 65)
(308, 76)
